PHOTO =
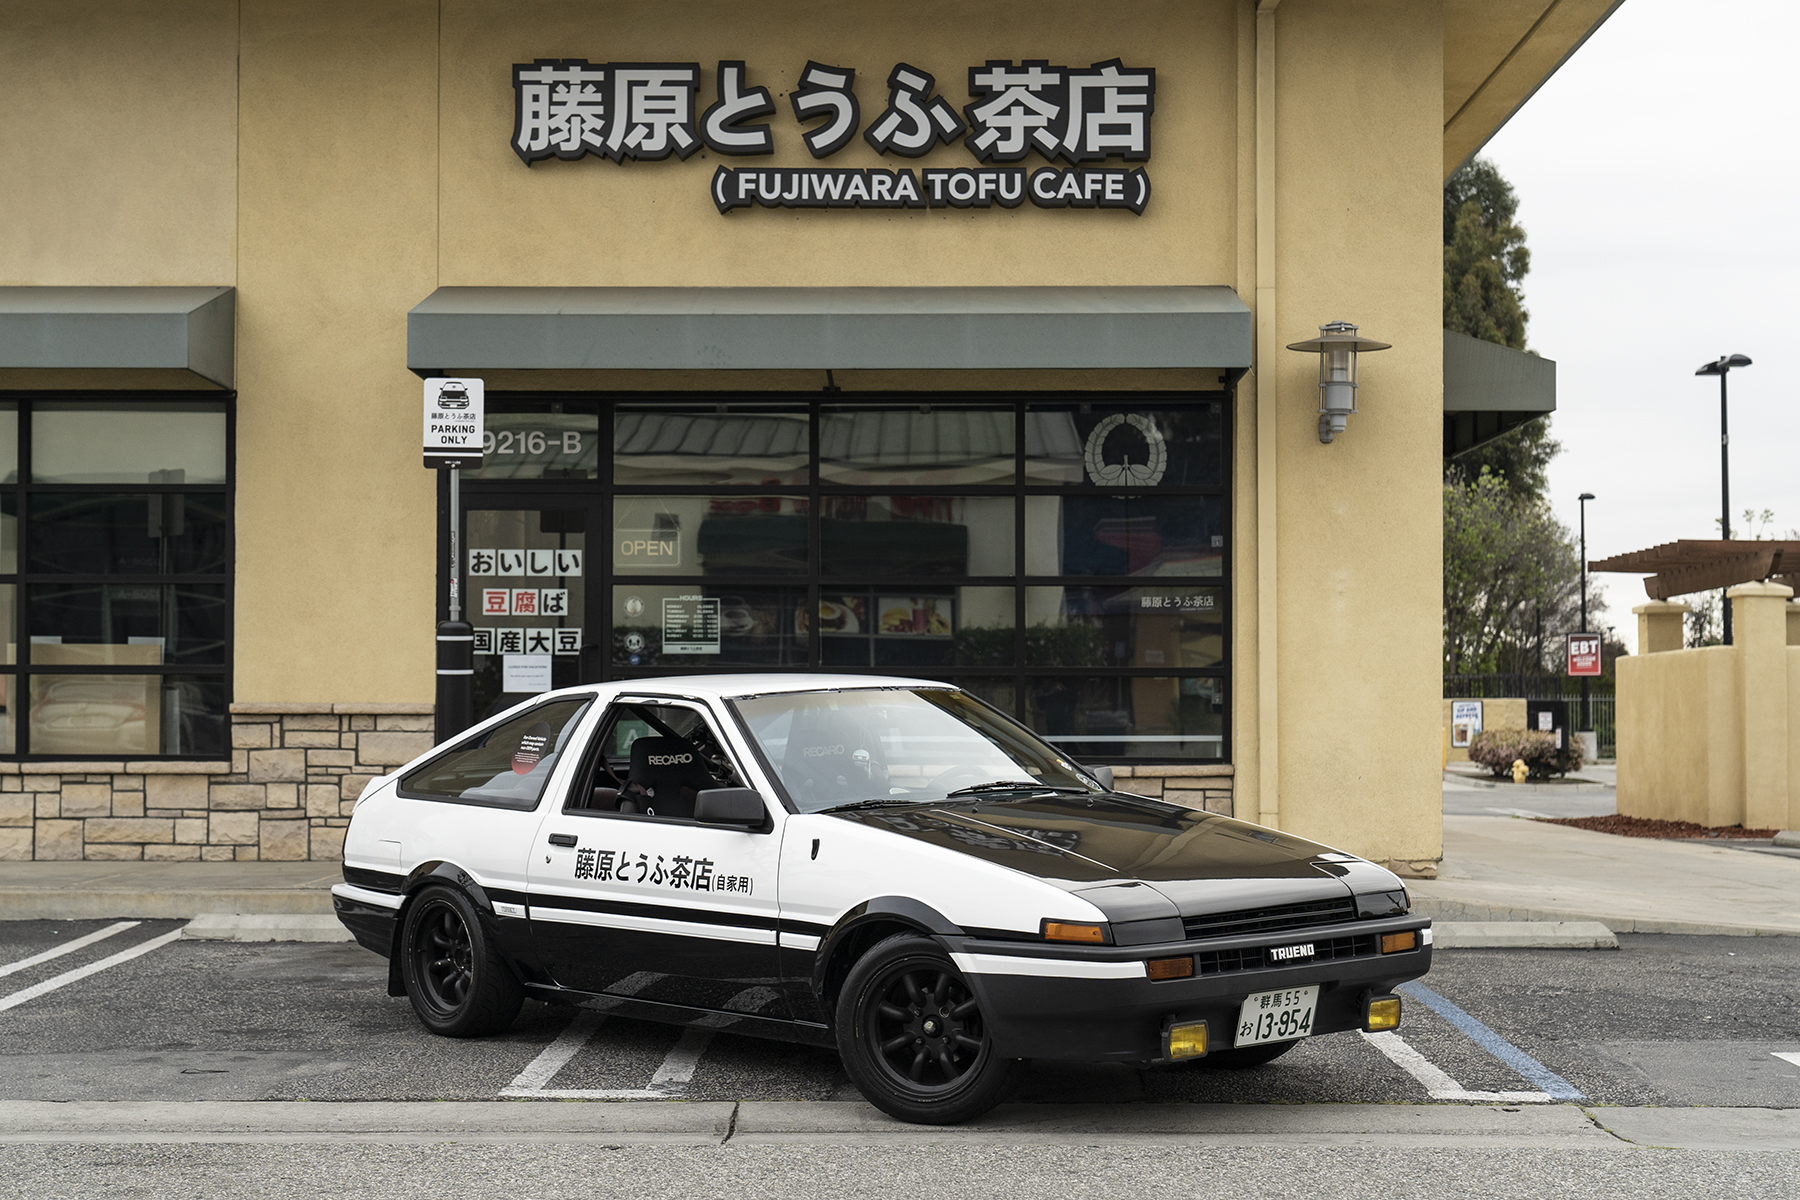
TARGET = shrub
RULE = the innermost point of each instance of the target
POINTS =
(1496, 749)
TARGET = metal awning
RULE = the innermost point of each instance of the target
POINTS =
(1491, 389)
(470, 330)
(187, 329)
(1692, 565)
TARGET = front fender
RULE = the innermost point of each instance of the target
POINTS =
(885, 910)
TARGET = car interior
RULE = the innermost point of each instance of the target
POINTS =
(653, 760)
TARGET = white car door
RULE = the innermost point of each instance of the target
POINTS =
(631, 896)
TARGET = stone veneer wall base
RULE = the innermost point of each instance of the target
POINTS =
(284, 795)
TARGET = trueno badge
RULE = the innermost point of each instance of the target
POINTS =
(1290, 953)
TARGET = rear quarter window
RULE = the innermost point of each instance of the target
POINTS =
(506, 767)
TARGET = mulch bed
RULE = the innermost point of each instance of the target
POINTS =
(1644, 827)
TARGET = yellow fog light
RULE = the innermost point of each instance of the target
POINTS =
(1381, 1012)
(1069, 931)
(1185, 1041)
(1170, 968)
(1394, 943)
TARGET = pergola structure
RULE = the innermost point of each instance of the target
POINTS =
(1678, 568)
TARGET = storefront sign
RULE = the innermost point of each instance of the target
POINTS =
(453, 417)
(571, 108)
(1584, 654)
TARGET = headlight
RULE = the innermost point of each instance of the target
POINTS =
(1382, 904)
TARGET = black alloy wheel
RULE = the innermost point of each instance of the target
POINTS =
(457, 982)
(913, 1036)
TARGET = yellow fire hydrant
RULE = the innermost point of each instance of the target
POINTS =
(1520, 770)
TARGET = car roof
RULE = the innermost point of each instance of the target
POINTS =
(728, 687)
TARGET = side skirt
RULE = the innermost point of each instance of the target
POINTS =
(804, 1032)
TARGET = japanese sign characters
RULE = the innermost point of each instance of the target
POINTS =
(571, 108)
(680, 872)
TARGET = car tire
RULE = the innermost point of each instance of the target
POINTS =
(1242, 1058)
(913, 1037)
(457, 982)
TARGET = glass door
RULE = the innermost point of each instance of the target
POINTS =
(525, 573)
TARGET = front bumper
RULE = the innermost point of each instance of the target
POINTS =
(1097, 1005)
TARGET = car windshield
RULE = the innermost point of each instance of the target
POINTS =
(899, 745)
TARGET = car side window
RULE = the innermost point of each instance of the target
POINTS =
(505, 767)
(651, 760)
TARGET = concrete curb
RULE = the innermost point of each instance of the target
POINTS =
(21, 904)
(1546, 935)
(1454, 911)
(265, 927)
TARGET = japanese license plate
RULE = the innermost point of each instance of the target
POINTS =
(1276, 1016)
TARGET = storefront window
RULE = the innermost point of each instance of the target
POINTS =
(118, 609)
(1065, 561)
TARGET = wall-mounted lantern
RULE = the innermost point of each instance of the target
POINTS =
(1337, 347)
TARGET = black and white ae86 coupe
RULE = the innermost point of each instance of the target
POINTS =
(886, 866)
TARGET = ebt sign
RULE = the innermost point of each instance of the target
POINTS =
(1078, 116)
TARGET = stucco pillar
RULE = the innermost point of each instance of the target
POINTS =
(1661, 626)
(1793, 622)
(1759, 625)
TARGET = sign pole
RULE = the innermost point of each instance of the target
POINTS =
(453, 439)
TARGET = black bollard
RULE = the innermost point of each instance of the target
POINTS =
(455, 679)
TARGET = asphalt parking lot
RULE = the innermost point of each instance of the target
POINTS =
(1664, 1020)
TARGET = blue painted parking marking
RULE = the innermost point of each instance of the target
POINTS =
(1549, 1081)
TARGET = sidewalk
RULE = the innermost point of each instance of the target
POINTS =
(69, 891)
(1511, 869)
(1495, 868)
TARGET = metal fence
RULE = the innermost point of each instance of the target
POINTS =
(1545, 687)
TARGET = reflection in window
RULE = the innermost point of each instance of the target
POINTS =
(128, 442)
(1124, 627)
(126, 624)
(676, 447)
(941, 445)
(1101, 718)
(1124, 535)
(127, 715)
(913, 536)
(174, 533)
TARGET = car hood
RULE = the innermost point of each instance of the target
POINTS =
(1110, 846)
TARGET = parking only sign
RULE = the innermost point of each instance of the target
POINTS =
(1584, 654)
(453, 422)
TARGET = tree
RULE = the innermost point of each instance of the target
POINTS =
(1512, 581)
(1485, 261)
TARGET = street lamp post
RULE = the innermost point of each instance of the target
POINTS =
(1587, 723)
(1723, 367)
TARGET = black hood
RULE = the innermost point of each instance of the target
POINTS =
(1100, 842)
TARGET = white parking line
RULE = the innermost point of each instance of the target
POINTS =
(68, 947)
(67, 977)
(1438, 1084)
(1792, 1056)
(556, 1055)
(677, 1070)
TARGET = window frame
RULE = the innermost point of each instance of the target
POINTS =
(23, 580)
(597, 663)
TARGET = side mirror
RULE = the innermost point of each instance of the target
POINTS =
(1104, 775)
(730, 806)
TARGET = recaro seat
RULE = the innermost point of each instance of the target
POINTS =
(665, 777)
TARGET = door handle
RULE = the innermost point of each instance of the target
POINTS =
(563, 839)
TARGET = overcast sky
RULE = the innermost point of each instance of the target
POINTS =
(1659, 185)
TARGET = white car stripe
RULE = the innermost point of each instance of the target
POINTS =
(350, 891)
(721, 933)
(799, 941)
(1057, 968)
